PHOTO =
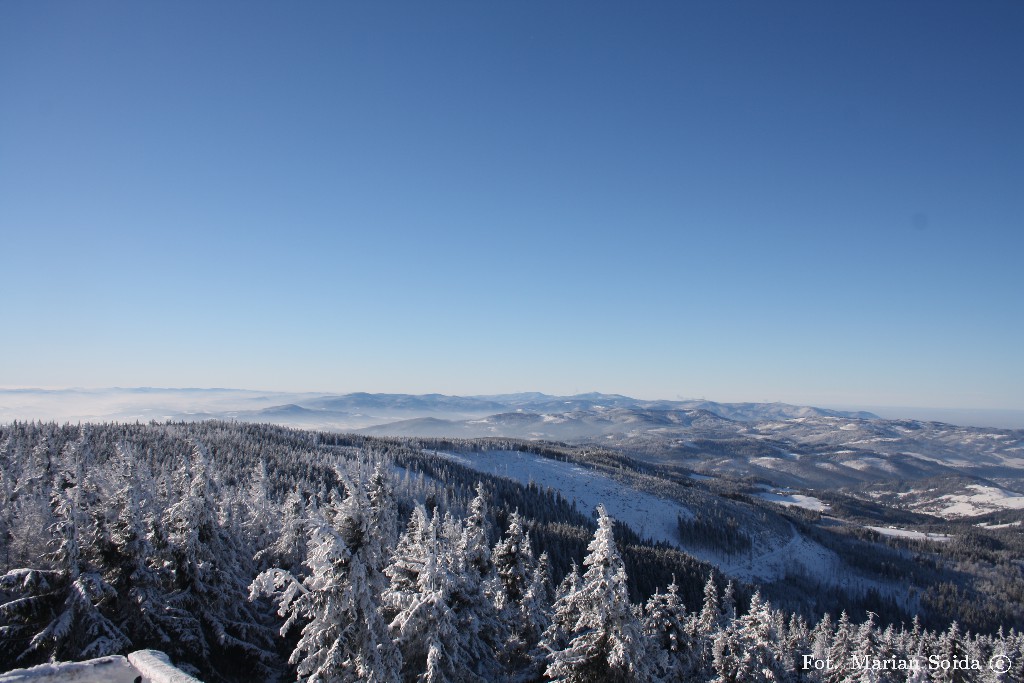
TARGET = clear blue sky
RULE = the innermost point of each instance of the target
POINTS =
(815, 202)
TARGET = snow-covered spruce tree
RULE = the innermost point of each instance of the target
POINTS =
(510, 591)
(705, 625)
(820, 639)
(795, 645)
(223, 632)
(133, 565)
(7, 505)
(288, 550)
(425, 625)
(31, 511)
(840, 651)
(955, 645)
(513, 564)
(262, 523)
(30, 587)
(383, 511)
(56, 613)
(408, 560)
(562, 620)
(728, 606)
(866, 648)
(536, 615)
(344, 637)
(483, 632)
(28, 600)
(442, 615)
(673, 650)
(538, 599)
(745, 650)
(605, 640)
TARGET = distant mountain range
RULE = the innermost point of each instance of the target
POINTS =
(786, 445)
(348, 411)
(532, 402)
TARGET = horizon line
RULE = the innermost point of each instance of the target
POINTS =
(828, 405)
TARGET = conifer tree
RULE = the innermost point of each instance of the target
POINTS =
(745, 649)
(510, 591)
(665, 630)
(134, 565)
(536, 615)
(563, 614)
(865, 648)
(262, 522)
(706, 623)
(478, 621)
(408, 560)
(605, 641)
(426, 626)
(345, 637)
(820, 641)
(60, 611)
(513, 564)
(840, 651)
(224, 633)
(384, 511)
(288, 550)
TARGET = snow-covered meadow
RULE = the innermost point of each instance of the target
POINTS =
(771, 557)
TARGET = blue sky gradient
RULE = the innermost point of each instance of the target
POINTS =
(810, 202)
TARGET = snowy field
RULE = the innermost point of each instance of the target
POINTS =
(908, 533)
(1008, 525)
(651, 516)
(648, 515)
(985, 499)
(795, 500)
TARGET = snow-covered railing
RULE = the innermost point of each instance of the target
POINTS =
(155, 667)
(149, 666)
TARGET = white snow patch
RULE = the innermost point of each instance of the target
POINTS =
(651, 516)
(113, 669)
(149, 665)
(987, 499)
(156, 667)
(767, 461)
(648, 515)
(877, 439)
(909, 533)
(864, 464)
(1008, 525)
(795, 500)
(942, 460)
(774, 559)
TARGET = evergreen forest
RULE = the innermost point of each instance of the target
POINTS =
(254, 552)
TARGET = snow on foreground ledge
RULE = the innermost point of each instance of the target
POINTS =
(143, 666)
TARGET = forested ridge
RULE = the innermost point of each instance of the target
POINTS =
(253, 552)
